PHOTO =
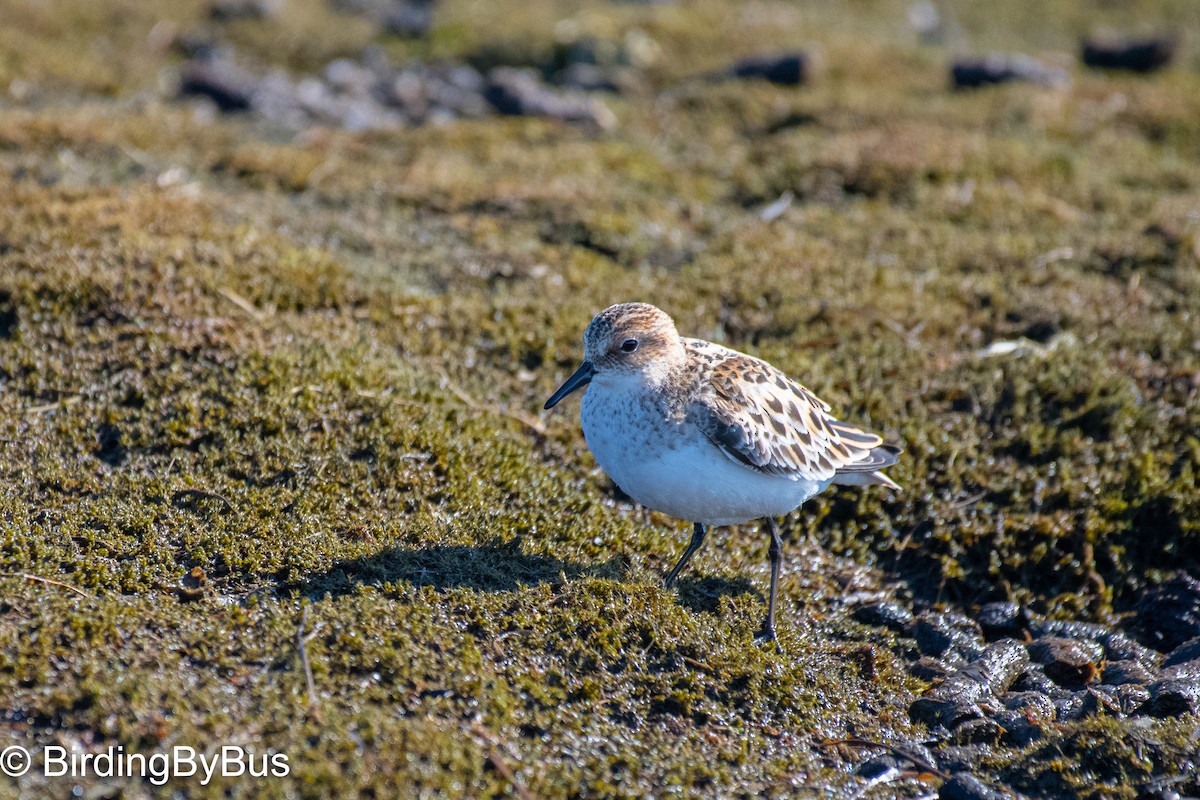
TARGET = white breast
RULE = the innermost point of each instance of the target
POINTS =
(672, 467)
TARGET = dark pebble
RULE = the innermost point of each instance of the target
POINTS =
(1070, 707)
(965, 786)
(1173, 698)
(1069, 629)
(930, 669)
(787, 69)
(939, 631)
(972, 73)
(1067, 662)
(1119, 673)
(1169, 614)
(1000, 664)
(1187, 671)
(962, 758)
(1033, 679)
(229, 10)
(957, 698)
(885, 614)
(519, 92)
(981, 730)
(944, 711)
(1101, 700)
(1131, 697)
(409, 19)
(1135, 55)
(1034, 704)
(225, 84)
(1119, 647)
(1018, 729)
(881, 769)
(1003, 620)
(1188, 651)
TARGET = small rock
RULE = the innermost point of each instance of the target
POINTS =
(980, 730)
(1119, 647)
(885, 614)
(1187, 671)
(929, 669)
(972, 73)
(1067, 662)
(1188, 651)
(1003, 620)
(1169, 614)
(1173, 698)
(1131, 697)
(1070, 706)
(520, 92)
(1000, 665)
(350, 76)
(1101, 700)
(1069, 629)
(962, 758)
(410, 19)
(944, 711)
(1135, 55)
(226, 84)
(965, 786)
(957, 698)
(939, 631)
(1119, 673)
(230, 10)
(586, 78)
(881, 769)
(1020, 730)
(787, 69)
(1034, 679)
(1034, 704)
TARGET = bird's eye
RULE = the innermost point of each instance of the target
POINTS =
(629, 345)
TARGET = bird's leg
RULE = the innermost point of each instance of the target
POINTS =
(775, 552)
(698, 531)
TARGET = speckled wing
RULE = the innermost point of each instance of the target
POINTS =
(761, 418)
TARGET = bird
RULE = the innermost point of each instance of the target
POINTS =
(709, 435)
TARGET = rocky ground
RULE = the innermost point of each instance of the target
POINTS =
(284, 284)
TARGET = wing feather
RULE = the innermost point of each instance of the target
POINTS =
(763, 419)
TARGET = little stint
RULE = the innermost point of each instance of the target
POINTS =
(710, 435)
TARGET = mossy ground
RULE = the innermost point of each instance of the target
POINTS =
(258, 388)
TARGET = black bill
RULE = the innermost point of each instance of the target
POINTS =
(581, 378)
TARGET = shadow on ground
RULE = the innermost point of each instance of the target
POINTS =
(488, 568)
(704, 593)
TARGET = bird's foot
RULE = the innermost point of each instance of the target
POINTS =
(669, 580)
(766, 636)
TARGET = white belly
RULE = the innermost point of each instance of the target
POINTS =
(673, 468)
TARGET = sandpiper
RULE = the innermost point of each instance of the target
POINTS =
(708, 434)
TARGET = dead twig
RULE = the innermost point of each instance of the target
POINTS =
(967, 502)
(39, 579)
(302, 645)
(245, 305)
(533, 424)
(200, 494)
(66, 402)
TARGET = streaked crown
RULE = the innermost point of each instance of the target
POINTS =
(630, 336)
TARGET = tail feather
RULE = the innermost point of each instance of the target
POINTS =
(868, 470)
